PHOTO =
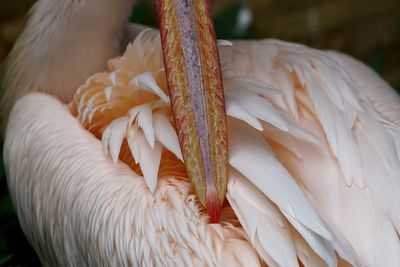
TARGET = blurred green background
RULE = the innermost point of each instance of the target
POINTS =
(366, 29)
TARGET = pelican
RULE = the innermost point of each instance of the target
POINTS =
(100, 175)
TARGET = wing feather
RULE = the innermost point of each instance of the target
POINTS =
(251, 156)
(357, 142)
(235, 110)
(258, 107)
(262, 221)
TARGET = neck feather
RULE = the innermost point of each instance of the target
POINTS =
(64, 42)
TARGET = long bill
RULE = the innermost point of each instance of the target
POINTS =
(195, 86)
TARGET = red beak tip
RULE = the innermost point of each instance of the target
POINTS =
(213, 208)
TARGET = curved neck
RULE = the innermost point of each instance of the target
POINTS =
(64, 42)
(77, 36)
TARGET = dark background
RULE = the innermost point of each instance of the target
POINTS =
(366, 29)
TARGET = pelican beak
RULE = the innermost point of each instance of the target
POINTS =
(195, 86)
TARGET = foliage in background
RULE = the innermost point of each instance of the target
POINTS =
(377, 64)
(232, 22)
(144, 13)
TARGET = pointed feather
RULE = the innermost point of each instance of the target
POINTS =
(108, 92)
(379, 137)
(166, 134)
(148, 157)
(247, 83)
(261, 220)
(250, 155)
(258, 107)
(145, 81)
(319, 245)
(235, 110)
(305, 253)
(337, 130)
(381, 178)
(114, 135)
(284, 82)
(144, 117)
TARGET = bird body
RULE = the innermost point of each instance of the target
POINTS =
(314, 165)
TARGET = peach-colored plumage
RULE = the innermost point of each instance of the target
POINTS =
(137, 80)
(313, 151)
(130, 101)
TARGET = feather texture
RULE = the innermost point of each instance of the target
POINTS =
(81, 194)
(313, 149)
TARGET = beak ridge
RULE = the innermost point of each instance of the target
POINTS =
(195, 84)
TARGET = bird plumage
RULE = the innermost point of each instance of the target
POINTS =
(313, 150)
(64, 42)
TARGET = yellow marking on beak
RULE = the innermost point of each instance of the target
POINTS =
(197, 98)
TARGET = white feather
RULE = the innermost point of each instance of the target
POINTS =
(283, 80)
(339, 121)
(304, 252)
(319, 245)
(379, 137)
(143, 115)
(250, 155)
(69, 197)
(113, 136)
(258, 107)
(145, 81)
(382, 179)
(246, 83)
(107, 93)
(261, 220)
(165, 134)
(235, 110)
(224, 43)
(146, 155)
